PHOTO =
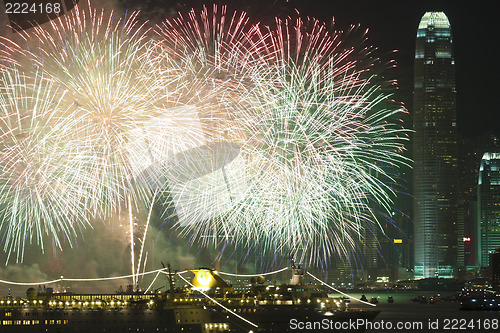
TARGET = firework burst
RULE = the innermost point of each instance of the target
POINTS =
(275, 136)
(85, 98)
(320, 148)
(317, 143)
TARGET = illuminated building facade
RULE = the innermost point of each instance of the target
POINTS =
(488, 198)
(495, 269)
(435, 149)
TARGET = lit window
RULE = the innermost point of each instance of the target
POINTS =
(443, 54)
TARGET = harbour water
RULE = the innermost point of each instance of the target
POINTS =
(405, 315)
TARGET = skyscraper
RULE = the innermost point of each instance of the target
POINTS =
(488, 198)
(495, 269)
(435, 149)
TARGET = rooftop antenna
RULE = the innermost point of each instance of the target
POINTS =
(170, 279)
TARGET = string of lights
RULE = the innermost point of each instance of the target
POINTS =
(81, 279)
(152, 282)
(222, 306)
(254, 275)
(340, 292)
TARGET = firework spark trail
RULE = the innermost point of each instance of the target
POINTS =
(143, 240)
(39, 193)
(207, 46)
(132, 251)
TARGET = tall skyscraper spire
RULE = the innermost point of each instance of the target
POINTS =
(435, 149)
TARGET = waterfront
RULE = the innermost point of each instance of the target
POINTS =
(443, 316)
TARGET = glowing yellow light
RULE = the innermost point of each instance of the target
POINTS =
(204, 278)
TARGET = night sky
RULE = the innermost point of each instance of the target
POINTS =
(393, 26)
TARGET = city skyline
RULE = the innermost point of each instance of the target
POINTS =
(235, 145)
